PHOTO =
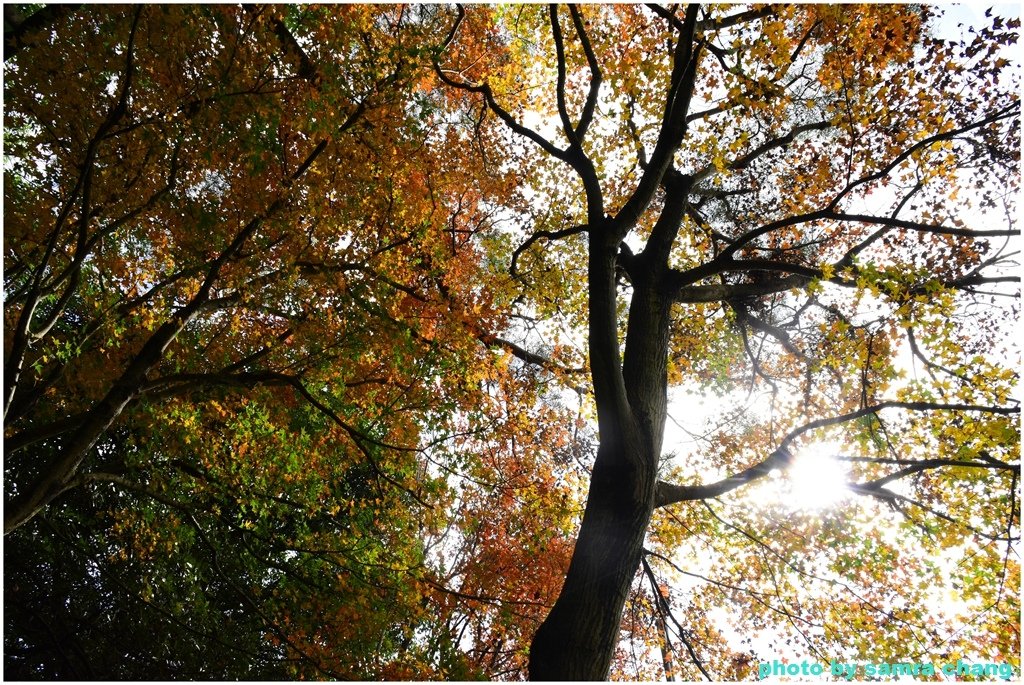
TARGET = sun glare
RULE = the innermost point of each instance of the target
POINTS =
(816, 478)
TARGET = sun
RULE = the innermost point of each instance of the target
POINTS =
(816, 477)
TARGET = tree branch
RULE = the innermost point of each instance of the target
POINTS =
(537, 235)
(686, 59)
(668, 493)
(563, 113)
(595, 74)
(525, 355)
(125, 389)
(894, 499)
(1006, 113)
(723, 292)
(893, 222)
(747, 159)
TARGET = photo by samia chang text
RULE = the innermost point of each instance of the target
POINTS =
(851, 670)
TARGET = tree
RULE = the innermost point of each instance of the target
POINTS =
(244, 309)
(774, 191)
(284, 372)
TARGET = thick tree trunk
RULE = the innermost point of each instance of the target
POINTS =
(578, 638)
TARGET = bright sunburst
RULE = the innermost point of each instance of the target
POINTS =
(816, 478)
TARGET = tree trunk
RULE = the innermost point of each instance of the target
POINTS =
(578, 638)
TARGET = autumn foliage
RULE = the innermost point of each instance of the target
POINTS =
(339, 341)
(245, 297)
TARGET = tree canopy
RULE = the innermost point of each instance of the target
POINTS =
(443, 342)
